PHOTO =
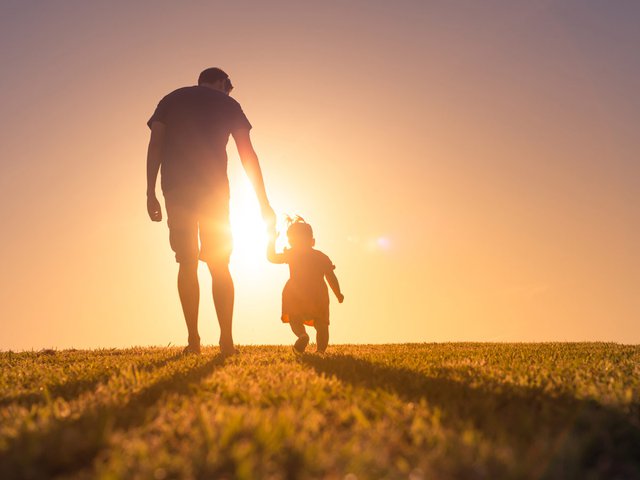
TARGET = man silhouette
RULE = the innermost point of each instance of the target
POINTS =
(190, 129)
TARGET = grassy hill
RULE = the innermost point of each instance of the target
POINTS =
(416, 411)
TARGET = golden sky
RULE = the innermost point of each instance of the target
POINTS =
(470, 167)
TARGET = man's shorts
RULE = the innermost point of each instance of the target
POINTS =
(190, 217)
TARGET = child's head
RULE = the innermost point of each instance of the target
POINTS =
(300, 234)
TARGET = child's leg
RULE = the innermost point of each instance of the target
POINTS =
(303, 339)
(297, 327)
(322, 337)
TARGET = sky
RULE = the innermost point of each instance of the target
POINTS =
(471, 168)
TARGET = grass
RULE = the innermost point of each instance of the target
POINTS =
(414, 411)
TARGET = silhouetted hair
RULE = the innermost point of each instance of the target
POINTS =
(298, 228)
(212, 75)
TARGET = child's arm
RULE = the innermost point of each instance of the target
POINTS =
(272, 256)
(332, 280)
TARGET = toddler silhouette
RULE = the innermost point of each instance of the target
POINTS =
(305, 298)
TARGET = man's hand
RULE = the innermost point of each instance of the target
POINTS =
(153, 208)
(268, 215)
(340, 297)
(271, 232)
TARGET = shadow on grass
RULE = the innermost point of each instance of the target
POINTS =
(74, 388)
(69, 445)
(575, 438)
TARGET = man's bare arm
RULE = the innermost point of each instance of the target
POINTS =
(154, 159)
(251, 165)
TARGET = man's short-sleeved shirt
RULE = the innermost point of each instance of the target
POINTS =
(198, 121)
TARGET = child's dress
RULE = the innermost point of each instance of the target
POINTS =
(305, 297)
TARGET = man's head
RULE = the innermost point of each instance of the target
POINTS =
(216, 79)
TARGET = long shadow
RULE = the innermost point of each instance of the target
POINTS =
(586, 436)
(74, 388)
(69, 445)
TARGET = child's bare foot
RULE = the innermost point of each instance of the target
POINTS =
(301, 344)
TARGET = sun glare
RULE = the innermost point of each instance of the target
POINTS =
(247, 227)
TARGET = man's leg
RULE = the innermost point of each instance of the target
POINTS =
(189, 291)
(183, 237)
(223, 297)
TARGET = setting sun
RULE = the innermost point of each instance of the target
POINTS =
(247, 226)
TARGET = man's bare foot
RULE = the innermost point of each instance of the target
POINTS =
(191, 349)
(228, 352)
